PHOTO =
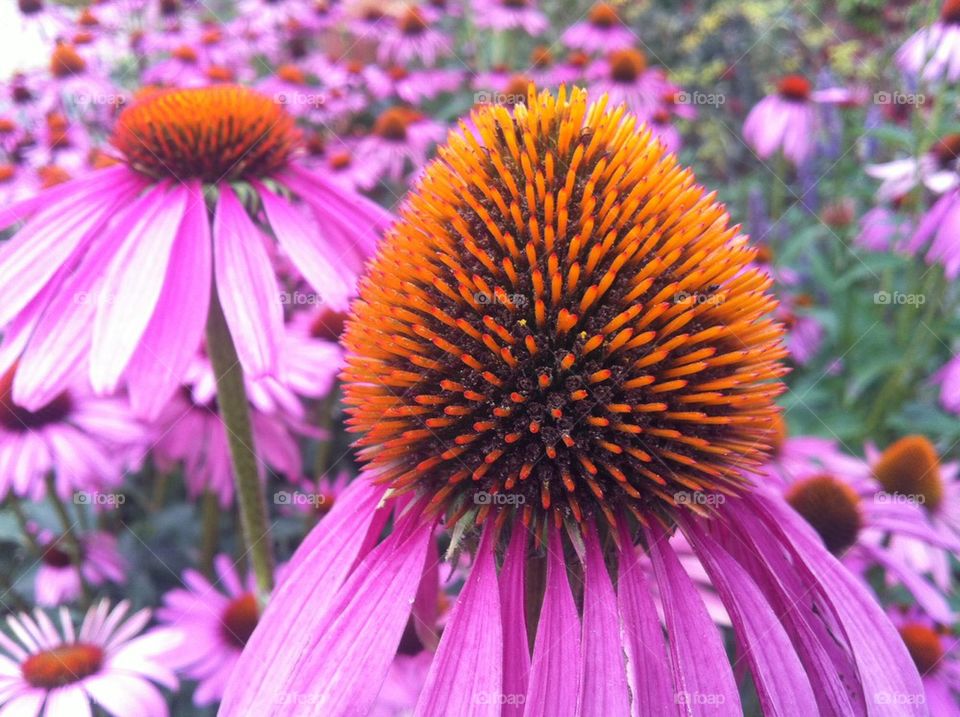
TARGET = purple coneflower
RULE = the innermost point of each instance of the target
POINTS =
(910, 471)
(59, 576)
(83, 441)
(148, 238)
(521, 372)
(216, 620)
(934, 649)
(399, 142)
(949, 379)
(107, 663)
(410, 38)
(602, 31)
(510, 15)
(625, 77)
(933, 53)
(787, 120)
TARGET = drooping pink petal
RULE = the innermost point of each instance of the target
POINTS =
(516, 651)
(133, 285)
(301, 238)
(247, 286)
(603, 675)
(886, 678)
(466, 675)
(554, 687)
(122, 695)
(648, 670)
(174, 334)
(298, 607)
(426, 605)
(68, 701)
(51, 238)
(782, 684)
(701, 670)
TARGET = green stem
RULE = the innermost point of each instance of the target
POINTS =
(235, 414)
(210, 531)
(69, 535)
(23, 522)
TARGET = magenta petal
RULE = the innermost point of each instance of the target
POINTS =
(928, 597)
(174, 334)
(603, 676)
(782, 684)
(516, 651)
(554, 687)
(247, 286)
(337, 664)
(301, 238)
(298, 607)
(466, 675)
(701, 670)
(133, 284)
(426, 604)
(643, 639)
(889, 678)
(51, 238)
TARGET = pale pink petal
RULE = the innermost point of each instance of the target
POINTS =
(247, 286)
(67, 701)
(466, 675)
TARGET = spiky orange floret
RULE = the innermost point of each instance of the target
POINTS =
(561, 316)
(603, 15)
(209, 133)
(911, 467)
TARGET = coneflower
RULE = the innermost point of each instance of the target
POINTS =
(125, 269)
(562, 355)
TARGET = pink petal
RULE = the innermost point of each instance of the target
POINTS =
(466, 675)
(68, 701)
(701, 670)
(603, 676)
(554, 686)
(134, 284)
(643, 638)
(247, 286)
(778, 674)
(175, 332)
(302, 240)
(122, 695)
(516, 650)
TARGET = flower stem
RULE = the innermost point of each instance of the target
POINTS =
(69, 535)
(235, 414)
(209, 532)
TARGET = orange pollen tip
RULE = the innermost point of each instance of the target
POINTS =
(219, 133)
(292, 74)
(626, 65)
(185, 53)
(7, 172)
(794, 87)
(831, 507)
(603, 16)
(392, 124)
(66, 61)
(911, 467)
(61, 666)
(412, 22)
(239, 619)
(924, 645)
(87, 19)
(220, 73)
(51, 175)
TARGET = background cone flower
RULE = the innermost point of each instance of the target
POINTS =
(114, 270)
(562, 354)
